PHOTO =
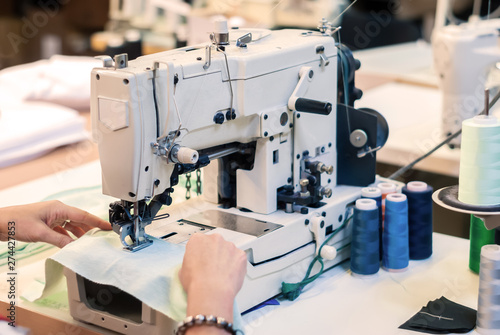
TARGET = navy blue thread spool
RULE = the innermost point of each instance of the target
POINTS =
(365, 251)
(419, 196)
(396, 251)
(375, 193)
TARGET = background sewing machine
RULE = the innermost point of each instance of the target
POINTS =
(286, 162)
(464, 56)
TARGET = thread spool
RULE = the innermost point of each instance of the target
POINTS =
(396, 253)
(386, 188)
(376, 194)
(419, 196)
(479, 178)
(479, 237)
(365, 252)
(488, 312)
(372, 193)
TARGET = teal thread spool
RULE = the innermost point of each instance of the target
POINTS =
(479, 237)
(479, 179)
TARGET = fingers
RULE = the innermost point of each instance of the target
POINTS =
(58, 237)
(77, 231)
(79, 218)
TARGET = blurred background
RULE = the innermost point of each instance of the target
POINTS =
(38, 29)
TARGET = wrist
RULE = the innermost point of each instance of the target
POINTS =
(205, 325)
(210, 300)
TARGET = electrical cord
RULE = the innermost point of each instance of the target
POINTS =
(292, 291)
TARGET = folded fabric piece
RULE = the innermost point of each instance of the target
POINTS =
(150, 275)
(30, 129)
(442, 316)
(63, 80)
(6, 329)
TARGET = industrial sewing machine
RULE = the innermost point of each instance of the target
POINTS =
(282, 161)
(464, 56)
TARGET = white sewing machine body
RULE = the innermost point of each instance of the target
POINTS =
(272, 122)
(463, 56)
(263, 76)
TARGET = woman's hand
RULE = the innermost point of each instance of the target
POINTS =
(212, 273)
(47, 221)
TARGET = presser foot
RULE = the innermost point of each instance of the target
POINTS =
(128, 234)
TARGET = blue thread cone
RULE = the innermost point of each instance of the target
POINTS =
(419, 196)
(376, 194)
(365, 252)
(395, 237)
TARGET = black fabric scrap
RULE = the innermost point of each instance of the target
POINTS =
(442, 316)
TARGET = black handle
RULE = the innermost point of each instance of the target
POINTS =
(313, 106)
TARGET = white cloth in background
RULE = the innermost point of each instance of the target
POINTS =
(150, 274)
(32, 120)
(5, 329)
(63, 80)
(31, 129)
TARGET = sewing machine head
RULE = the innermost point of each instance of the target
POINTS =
(263, 102)
(464, 57)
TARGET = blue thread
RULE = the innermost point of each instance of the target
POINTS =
(376, 194)
(396, 253)
(365, 251)
(419, 221)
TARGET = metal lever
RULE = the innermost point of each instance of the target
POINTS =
(107, 61)
(244, 40)
(297, 103)
(323, 61)
(369, 150)
(208, 57)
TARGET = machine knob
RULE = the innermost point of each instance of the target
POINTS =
(358, 138)
(219, 118)
(313, 106)
(303, 186)
(184, 155)
(326, 168)
(326, 192)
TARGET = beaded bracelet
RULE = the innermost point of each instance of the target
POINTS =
(199, 320)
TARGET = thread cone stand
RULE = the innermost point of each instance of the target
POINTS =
(448, 198)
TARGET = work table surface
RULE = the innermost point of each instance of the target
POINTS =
(337, 303)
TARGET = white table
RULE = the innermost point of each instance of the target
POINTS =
(339, 303)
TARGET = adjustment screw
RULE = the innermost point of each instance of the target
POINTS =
(219, 118)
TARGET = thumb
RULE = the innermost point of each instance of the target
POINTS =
(58, 237)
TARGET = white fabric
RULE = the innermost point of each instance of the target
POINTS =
(29, 125)
(150, 274)
(5, 329)
(63, 80)
(30, 129)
